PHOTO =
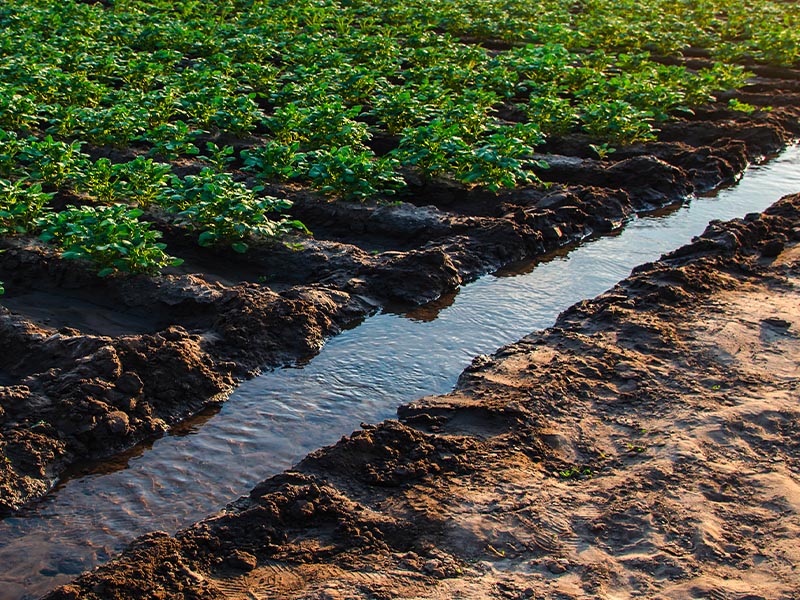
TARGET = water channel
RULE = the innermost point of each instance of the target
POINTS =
(270, 422)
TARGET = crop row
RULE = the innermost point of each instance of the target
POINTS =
(108, 229)
(309, 87)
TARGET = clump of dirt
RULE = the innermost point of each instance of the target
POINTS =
(92, 366)
(647, 444)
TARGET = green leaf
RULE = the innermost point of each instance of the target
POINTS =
(207, 238)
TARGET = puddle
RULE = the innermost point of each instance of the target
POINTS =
(361, 375)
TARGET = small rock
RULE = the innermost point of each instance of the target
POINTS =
(434, 568)
(773, 247)
(242, 561)
(777, 323)
(129, 383)
(556, 567)
(117, 422)
(104, 362)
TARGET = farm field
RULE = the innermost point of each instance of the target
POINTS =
(191, 193)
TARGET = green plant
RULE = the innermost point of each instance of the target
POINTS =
(276, 161)
(223, 210)
(741, 106)
(111, 237)
(218, 158)
(617, 121)
(139, 181)
(22, 203)
(10, 147)
(602, 150)
(327, 124)
(353, 173)
(17, 110)
(552, 113)
(498, 160)
(172, 140)
(577, 473)
(53, 162)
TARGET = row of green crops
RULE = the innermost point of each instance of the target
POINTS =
(311, 86)
(110, 232)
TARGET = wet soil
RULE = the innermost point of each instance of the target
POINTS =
(92, 366)
(645, 445)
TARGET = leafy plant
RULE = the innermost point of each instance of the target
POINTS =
(353, 173)
(10, 147)
(111, 237)
(552, 113)
(17, 110)
(172, 140)
(577, 472)
(140, 181)
(741, 106)
(498, 160)
(602, 150)
(223, 210)
(617, 121)
(52, 162)
(327, 124)
(276, 161)
(218, 158)
(22, 203)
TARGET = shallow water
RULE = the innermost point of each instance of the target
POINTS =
(363, 374)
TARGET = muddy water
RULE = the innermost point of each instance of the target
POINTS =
(361, 375)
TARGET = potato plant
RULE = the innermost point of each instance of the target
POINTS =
(22, 204)
(223, 210)
(111, 237)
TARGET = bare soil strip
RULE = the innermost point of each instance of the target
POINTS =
(646, 445)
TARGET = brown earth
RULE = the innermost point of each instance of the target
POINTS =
(647, 445)
(92, 366)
